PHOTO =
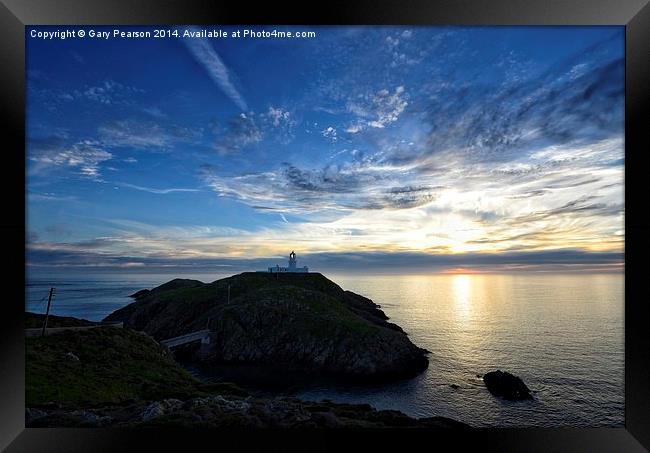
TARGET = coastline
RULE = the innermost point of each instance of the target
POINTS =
(122, 378)
(562, 401)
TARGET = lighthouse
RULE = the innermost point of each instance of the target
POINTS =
(292, 261)
(293, 266)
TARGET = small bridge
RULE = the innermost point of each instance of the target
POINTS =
(202, 335)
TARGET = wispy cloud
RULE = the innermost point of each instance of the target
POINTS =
(202, 50)
(330, 134)
(236, 134)
(49, 196)
(107, 92)
(379, 109)
(153, 190)
(85, 157)
(144, 134)
(279, 124)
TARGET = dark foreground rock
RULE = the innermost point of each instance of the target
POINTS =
(228, 411)
(126, 379)
(506, 385)
(301, 322)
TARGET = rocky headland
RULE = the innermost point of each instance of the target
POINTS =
(300, 322)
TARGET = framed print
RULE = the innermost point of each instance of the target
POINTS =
(383, 223)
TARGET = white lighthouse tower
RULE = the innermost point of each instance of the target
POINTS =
(292, 261)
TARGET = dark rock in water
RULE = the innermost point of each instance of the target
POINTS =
(302, 322)
(479, 376)
(454, 386)
(506, 385)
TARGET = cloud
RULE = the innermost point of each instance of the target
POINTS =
(202, 50)
(378, 110)
(143, 134)
(330, 134)
(49, 196)
(239, 132)
(157, 191)
(354, 128)
(156, 112)
(279, 124)
(108, 92)
(466, 167)
(95, 253)
(85, 157)
(332, 187)
(278, 116)
(554, 107)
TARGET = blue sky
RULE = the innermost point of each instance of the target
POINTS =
(443, 146)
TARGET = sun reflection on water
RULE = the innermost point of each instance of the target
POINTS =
(462, 294)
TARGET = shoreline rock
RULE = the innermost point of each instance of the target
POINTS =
(219, 411)
(507, 386)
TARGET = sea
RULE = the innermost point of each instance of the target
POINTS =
(563, 334)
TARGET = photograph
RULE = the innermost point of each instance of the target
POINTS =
(350, 226)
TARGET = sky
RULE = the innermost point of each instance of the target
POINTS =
(385, 148)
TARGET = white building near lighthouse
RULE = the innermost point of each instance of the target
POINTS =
(292, 266)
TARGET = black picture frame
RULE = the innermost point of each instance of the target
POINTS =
(633, 14)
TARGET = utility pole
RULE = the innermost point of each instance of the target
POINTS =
(47, 313)
(228, 292)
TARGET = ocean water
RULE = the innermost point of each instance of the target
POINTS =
(562, 334)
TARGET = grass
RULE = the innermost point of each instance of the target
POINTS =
(115, 366)
(35, 320)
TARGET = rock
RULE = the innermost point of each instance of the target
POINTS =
(506, 385)
(90, 418)
(71, 356)
(236, 412)
(454, 386)
(32, 414)
(158, 408)
(326, 419)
